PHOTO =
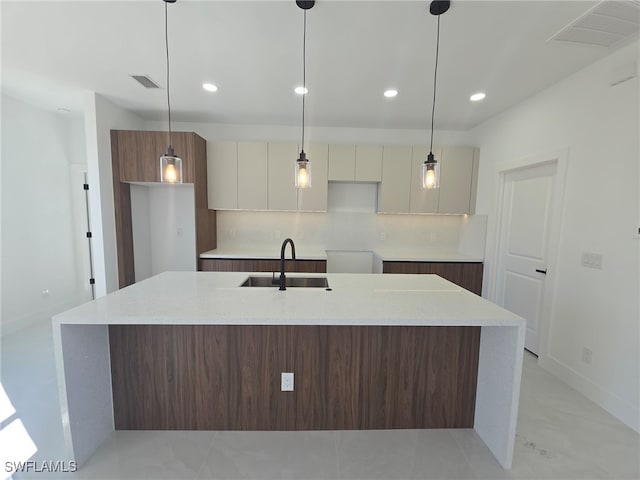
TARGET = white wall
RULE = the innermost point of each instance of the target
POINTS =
(592, 308)
(40, 249)
(101, 116)
(351, 231)
(141, 231)
(280, 133)
(164, 229)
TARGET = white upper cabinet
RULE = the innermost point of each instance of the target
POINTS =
(396, 175)
(260, 176)
(368, 163)
(314, 199)
(422, 200)
(355, 163)
(222, 175)
(282, 193)
(252, 176)
(457, 180)
(342, 163)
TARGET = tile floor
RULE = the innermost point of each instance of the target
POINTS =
(561, 435)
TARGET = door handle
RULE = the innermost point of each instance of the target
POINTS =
(541, 271)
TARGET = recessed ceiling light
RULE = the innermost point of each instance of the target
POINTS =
(390, 93)
(301, 90)
(209, 87)
(476, 97)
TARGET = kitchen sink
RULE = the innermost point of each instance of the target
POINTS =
(302, 282)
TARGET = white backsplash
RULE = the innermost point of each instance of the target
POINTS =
(353, 231)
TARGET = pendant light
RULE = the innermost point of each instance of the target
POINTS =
(303, 167)
(170, 163)
(430, 167)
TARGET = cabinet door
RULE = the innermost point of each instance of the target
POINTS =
(315, 198)
(139, 153)
(222, 175)
(456, 174)
(342, 163)
(252, 176)
(368, 163)
(282, 194)
(395, 186)
(423, 200)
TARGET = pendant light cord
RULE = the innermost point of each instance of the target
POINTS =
(304, 72)
(166, 42)
(435, 77)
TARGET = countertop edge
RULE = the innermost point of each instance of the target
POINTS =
(316, 255)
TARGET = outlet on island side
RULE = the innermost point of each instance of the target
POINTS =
(286, 382)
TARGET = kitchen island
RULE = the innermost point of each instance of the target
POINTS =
(194, 350)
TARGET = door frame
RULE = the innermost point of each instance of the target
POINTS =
(82, 224)
(560, 157)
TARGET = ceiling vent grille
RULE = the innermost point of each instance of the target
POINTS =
(607, 24)
(145, 81)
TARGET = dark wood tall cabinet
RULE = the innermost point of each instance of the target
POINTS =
(136, 158)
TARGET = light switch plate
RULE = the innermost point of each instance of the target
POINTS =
(592, 260)
(286, 382)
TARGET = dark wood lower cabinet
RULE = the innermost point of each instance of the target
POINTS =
(224, 377)
(465, 274)
(260, 265)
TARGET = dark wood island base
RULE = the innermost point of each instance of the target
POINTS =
(227, 377)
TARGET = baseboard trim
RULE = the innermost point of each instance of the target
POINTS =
(616, 406)
(9, 326)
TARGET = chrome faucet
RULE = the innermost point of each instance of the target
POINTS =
(283, 279)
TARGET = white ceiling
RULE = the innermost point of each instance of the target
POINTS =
(53, 51)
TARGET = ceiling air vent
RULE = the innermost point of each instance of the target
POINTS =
(607, 24)
(145, 81)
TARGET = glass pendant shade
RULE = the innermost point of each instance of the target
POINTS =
(430, 173)
(170, 167)
(303, 171)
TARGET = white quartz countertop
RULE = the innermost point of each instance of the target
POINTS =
(271, 253)
(387, 254)
(422, 254)
(354, 299)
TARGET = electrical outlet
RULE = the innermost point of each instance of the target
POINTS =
(232, 234)
(586, 355)
(592, 260)
(45, 292)
(383, 236)
(286, 381)
(179, 231)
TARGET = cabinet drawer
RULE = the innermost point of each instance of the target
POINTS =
(468, 275)
(260, 265)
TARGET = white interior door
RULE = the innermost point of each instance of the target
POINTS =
(527, 211)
